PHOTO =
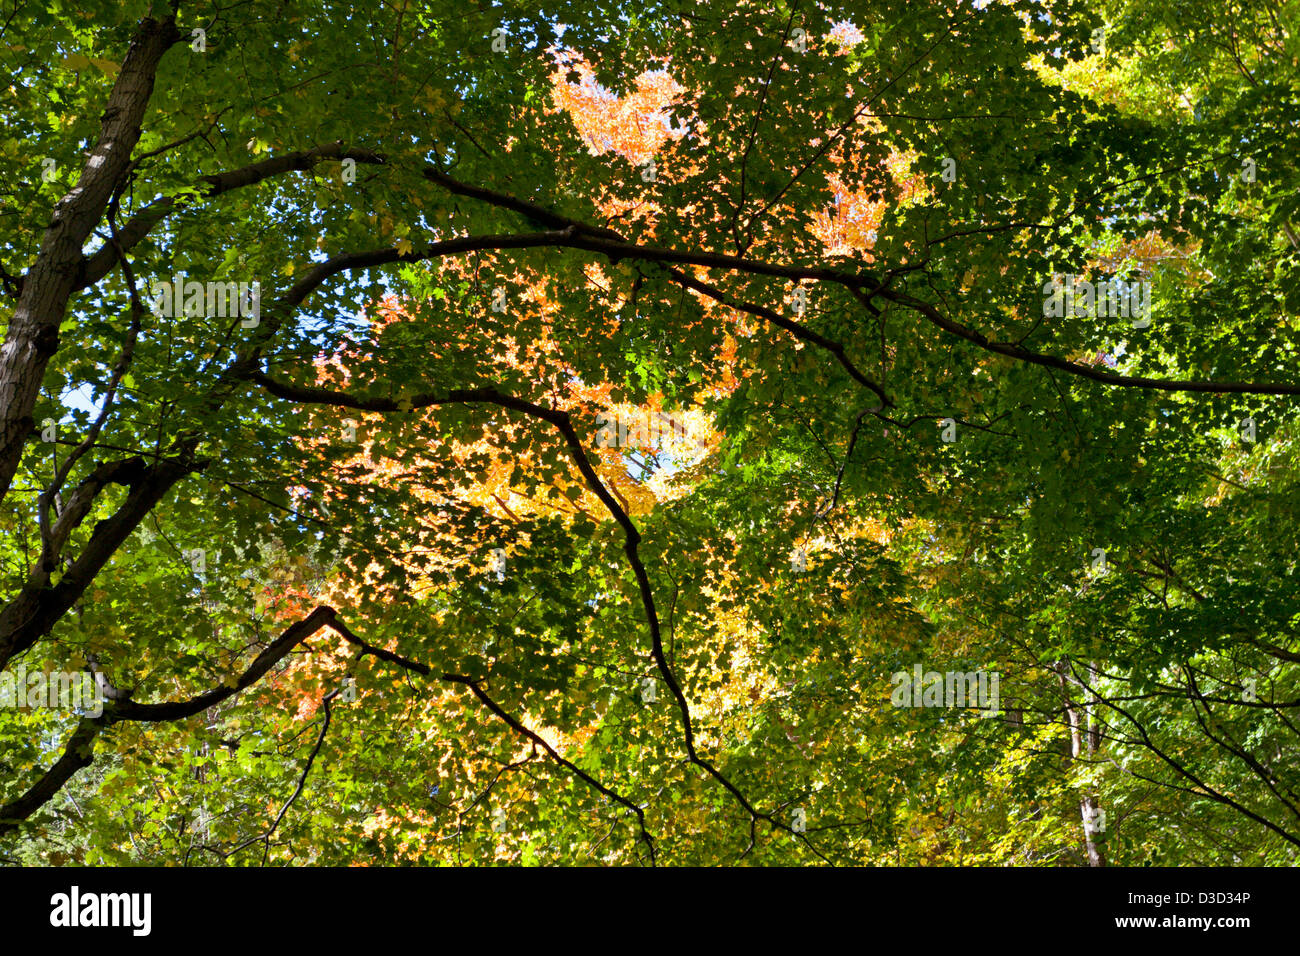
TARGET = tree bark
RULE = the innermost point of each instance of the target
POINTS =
(33, 335)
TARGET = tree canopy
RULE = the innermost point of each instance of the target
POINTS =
(448, 433)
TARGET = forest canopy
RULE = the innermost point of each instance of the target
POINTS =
(683, 434)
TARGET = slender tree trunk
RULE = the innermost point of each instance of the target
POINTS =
(1085, 738)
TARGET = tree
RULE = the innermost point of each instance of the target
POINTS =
(961, 348)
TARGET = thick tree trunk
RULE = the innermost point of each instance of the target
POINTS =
(33, 335)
